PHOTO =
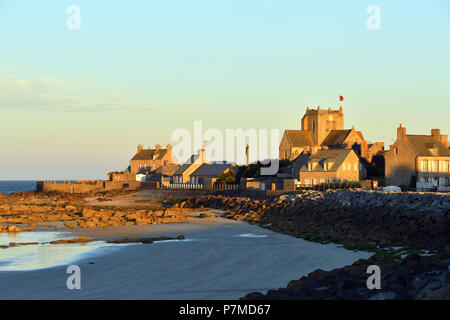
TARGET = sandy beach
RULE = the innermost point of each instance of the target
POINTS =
(220, 259)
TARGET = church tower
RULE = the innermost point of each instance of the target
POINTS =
(321, 122)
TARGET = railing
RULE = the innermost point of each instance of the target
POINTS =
(192, 186)
(184, 186)
(226, 187)
(327, 186)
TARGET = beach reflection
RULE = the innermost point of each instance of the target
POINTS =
(43, 255)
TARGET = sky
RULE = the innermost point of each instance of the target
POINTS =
(75, 103)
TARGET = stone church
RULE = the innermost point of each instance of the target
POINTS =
(324, 129)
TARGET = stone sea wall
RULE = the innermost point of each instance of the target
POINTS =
(419, 220)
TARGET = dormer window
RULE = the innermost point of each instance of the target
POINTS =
(434, 151)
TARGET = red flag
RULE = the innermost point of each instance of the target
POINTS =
(341, 98)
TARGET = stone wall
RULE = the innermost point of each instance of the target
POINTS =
(420, 220)
(86, 186)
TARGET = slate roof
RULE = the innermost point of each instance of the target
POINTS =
(422, 145)
(147, 154)
(336, 137)
(167, 170)
(211, 169)
(182, 169)
(336, 156)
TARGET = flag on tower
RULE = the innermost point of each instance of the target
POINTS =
(341, 98)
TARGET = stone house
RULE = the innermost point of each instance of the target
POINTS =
(207, 173)
(327, 165)
(151, 159)
(421, 160)
(183, 173)
(163, 175)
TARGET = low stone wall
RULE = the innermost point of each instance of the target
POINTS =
(165, 194)
(86, 187)
(420, 220)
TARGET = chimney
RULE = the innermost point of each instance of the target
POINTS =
(341, 110)
(401, 133)
(169, 148)
(444, 139)
(364, 149)
(158, 147)
(436, 134)
(140, 147)
(202, 155)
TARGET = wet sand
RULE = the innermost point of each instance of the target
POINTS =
(220, 259)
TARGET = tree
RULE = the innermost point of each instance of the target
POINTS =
(227, 177)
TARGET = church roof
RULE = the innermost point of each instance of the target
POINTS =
(300, 138)
(336, 137)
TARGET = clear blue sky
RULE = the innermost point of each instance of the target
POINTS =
(75, 103)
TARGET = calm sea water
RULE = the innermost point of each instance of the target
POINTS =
(7, 187)
(45, 255)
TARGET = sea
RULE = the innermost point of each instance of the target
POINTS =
(7, 187)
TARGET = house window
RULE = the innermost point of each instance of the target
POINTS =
(445, 166)
(424, 165)
(344, 166)
(355, 167)
(395, 150)
(435, 166)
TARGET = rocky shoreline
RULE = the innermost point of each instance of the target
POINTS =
(416, 277)
(27, 211)
(359, 220)
(418, 220)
